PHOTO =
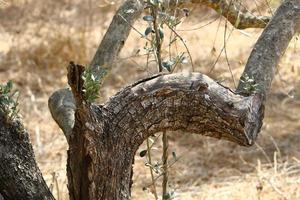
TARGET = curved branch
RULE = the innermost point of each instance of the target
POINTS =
(62, 107)
(63, 111)
(106, 138)
(61, 103)
(20, 177)
(239, 19)
(116, 35)
(270, 47)
(190, 102)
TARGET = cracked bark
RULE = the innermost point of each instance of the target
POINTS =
(20, 178)
(61, 103)
(265, 56)
(109, 134)
(104, 139)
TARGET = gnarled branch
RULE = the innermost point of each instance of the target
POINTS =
(61, 103)
(239, 19)
(109, 135)
(62, 107)
(116, 35)
(106, 137)
(192, 102)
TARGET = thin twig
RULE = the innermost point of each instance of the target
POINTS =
(225, 50)
(157, 38)
(151, 170)
(187, 49)
(164, 137)
(165, 165)
(216, 61)
(141, 34)
(200, 27)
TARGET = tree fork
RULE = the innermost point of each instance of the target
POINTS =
(106, 137)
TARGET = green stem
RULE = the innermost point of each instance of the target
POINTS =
(164, 137)
(151, 170)
(157, 38)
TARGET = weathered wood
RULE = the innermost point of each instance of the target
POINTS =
(20, 177)
(116, 35)
(239, 19)
(263, 61)
(105, 138)
(62, 105)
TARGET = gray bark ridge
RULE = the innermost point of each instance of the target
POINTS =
(20, 177)
(190, 101)
(218, 112)
(109, 134)
(270, 47)
(106, 137)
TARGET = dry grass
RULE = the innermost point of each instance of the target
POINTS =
(38, 39)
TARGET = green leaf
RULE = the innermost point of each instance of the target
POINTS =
(168, 65)
(154, 2)
(161, 33)
(238, 20)
(143, 153)
(9, 85)
(174, 155)
(148, 31)
(91, 86)
(148, 18)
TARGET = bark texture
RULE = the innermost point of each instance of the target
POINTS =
(61, 103)
(62, 107)
(20, 177)
(106, 137)
(263, 61)
(109, 135)
(116, 35)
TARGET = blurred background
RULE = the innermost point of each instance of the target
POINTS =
(39, 38)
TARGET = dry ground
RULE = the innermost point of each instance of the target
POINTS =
(39, 38)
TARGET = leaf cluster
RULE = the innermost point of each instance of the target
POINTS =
(249, 84)
(91, 86)
(163, 15)
(9, 101)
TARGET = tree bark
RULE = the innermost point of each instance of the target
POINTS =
(107, 136)
(270, 47)
(104, 139)
(20, 177)
(61, 103)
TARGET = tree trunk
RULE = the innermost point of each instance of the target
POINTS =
(103, 139)
(20, 178)
(106, 137)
